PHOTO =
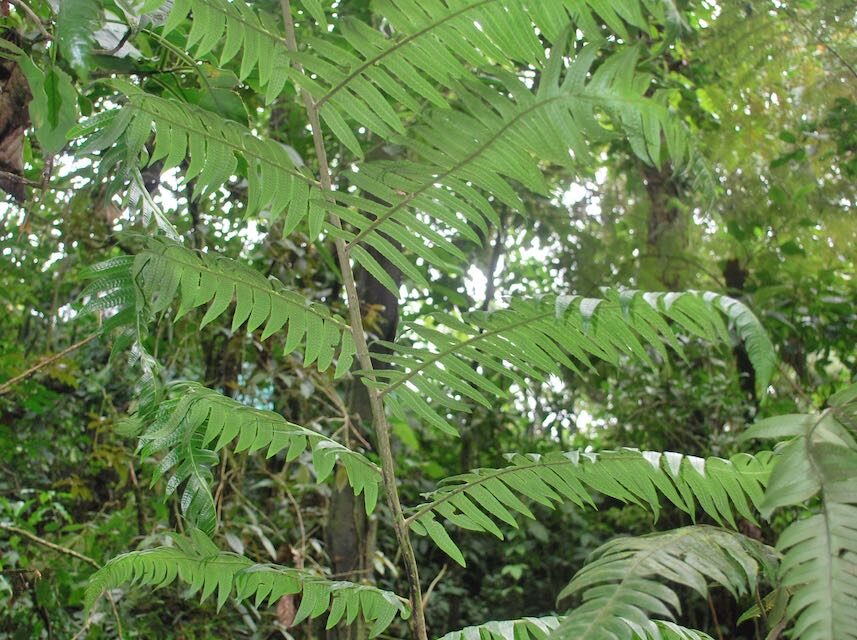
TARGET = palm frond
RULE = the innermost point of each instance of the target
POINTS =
(720, 487)
(196, 561)
(536, 338)
(818, 463)
(504, 134)
(165, 270)
(193, 423)
(542, 628)
(622, 585)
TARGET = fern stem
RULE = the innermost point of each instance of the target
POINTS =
(379, 416)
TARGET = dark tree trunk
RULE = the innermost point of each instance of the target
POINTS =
(667, 227)
(350, 534)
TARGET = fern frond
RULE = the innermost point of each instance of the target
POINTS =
(720, 487)
(521, 629)
(819, 463)
(536, 338)
(275, 183)
(110, 290)
(196, 561)
(543, 628)
(366, 75)
(194, 418)
(504, 133)
(165, 270)
(622, 585)
(235, 28)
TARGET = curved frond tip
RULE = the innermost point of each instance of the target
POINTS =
(534, 338)
(475, 500)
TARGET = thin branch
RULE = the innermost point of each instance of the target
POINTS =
(50, 545)
(44, 363)
(432, 585)
(714, 617)
(14, 177)
(379, 416)
(19, 4)
(822, 41)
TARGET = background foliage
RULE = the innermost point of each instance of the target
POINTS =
(755, 203)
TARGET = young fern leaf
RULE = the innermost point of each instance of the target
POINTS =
(818, 463)
(622, 588)
(474, 500)
(194, 418)
(536, 338)
(213, 144)
(196, 561)
(165, 270)
(503, 134)
(544, 627)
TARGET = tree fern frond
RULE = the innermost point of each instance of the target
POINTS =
(622, 584)
(503, 134)
(165, 270)
(213, 144)
(819, 563)
(720, 487)
(542, 628)
(536, 338)
(196, 561)
(194, 418)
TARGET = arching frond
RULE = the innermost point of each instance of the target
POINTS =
(622, 585)
(542, 629)
(365, 76)
(819, 565)
(195, 422)
(720, 487)
(213, 145)
(536, 338)
(165, 270)
(196, 561)
(503, 134)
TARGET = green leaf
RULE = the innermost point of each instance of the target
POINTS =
(53, 109)
(817, 468)
(77, 22)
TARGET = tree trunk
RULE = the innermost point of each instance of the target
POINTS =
(667, 228)
(350, 534)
